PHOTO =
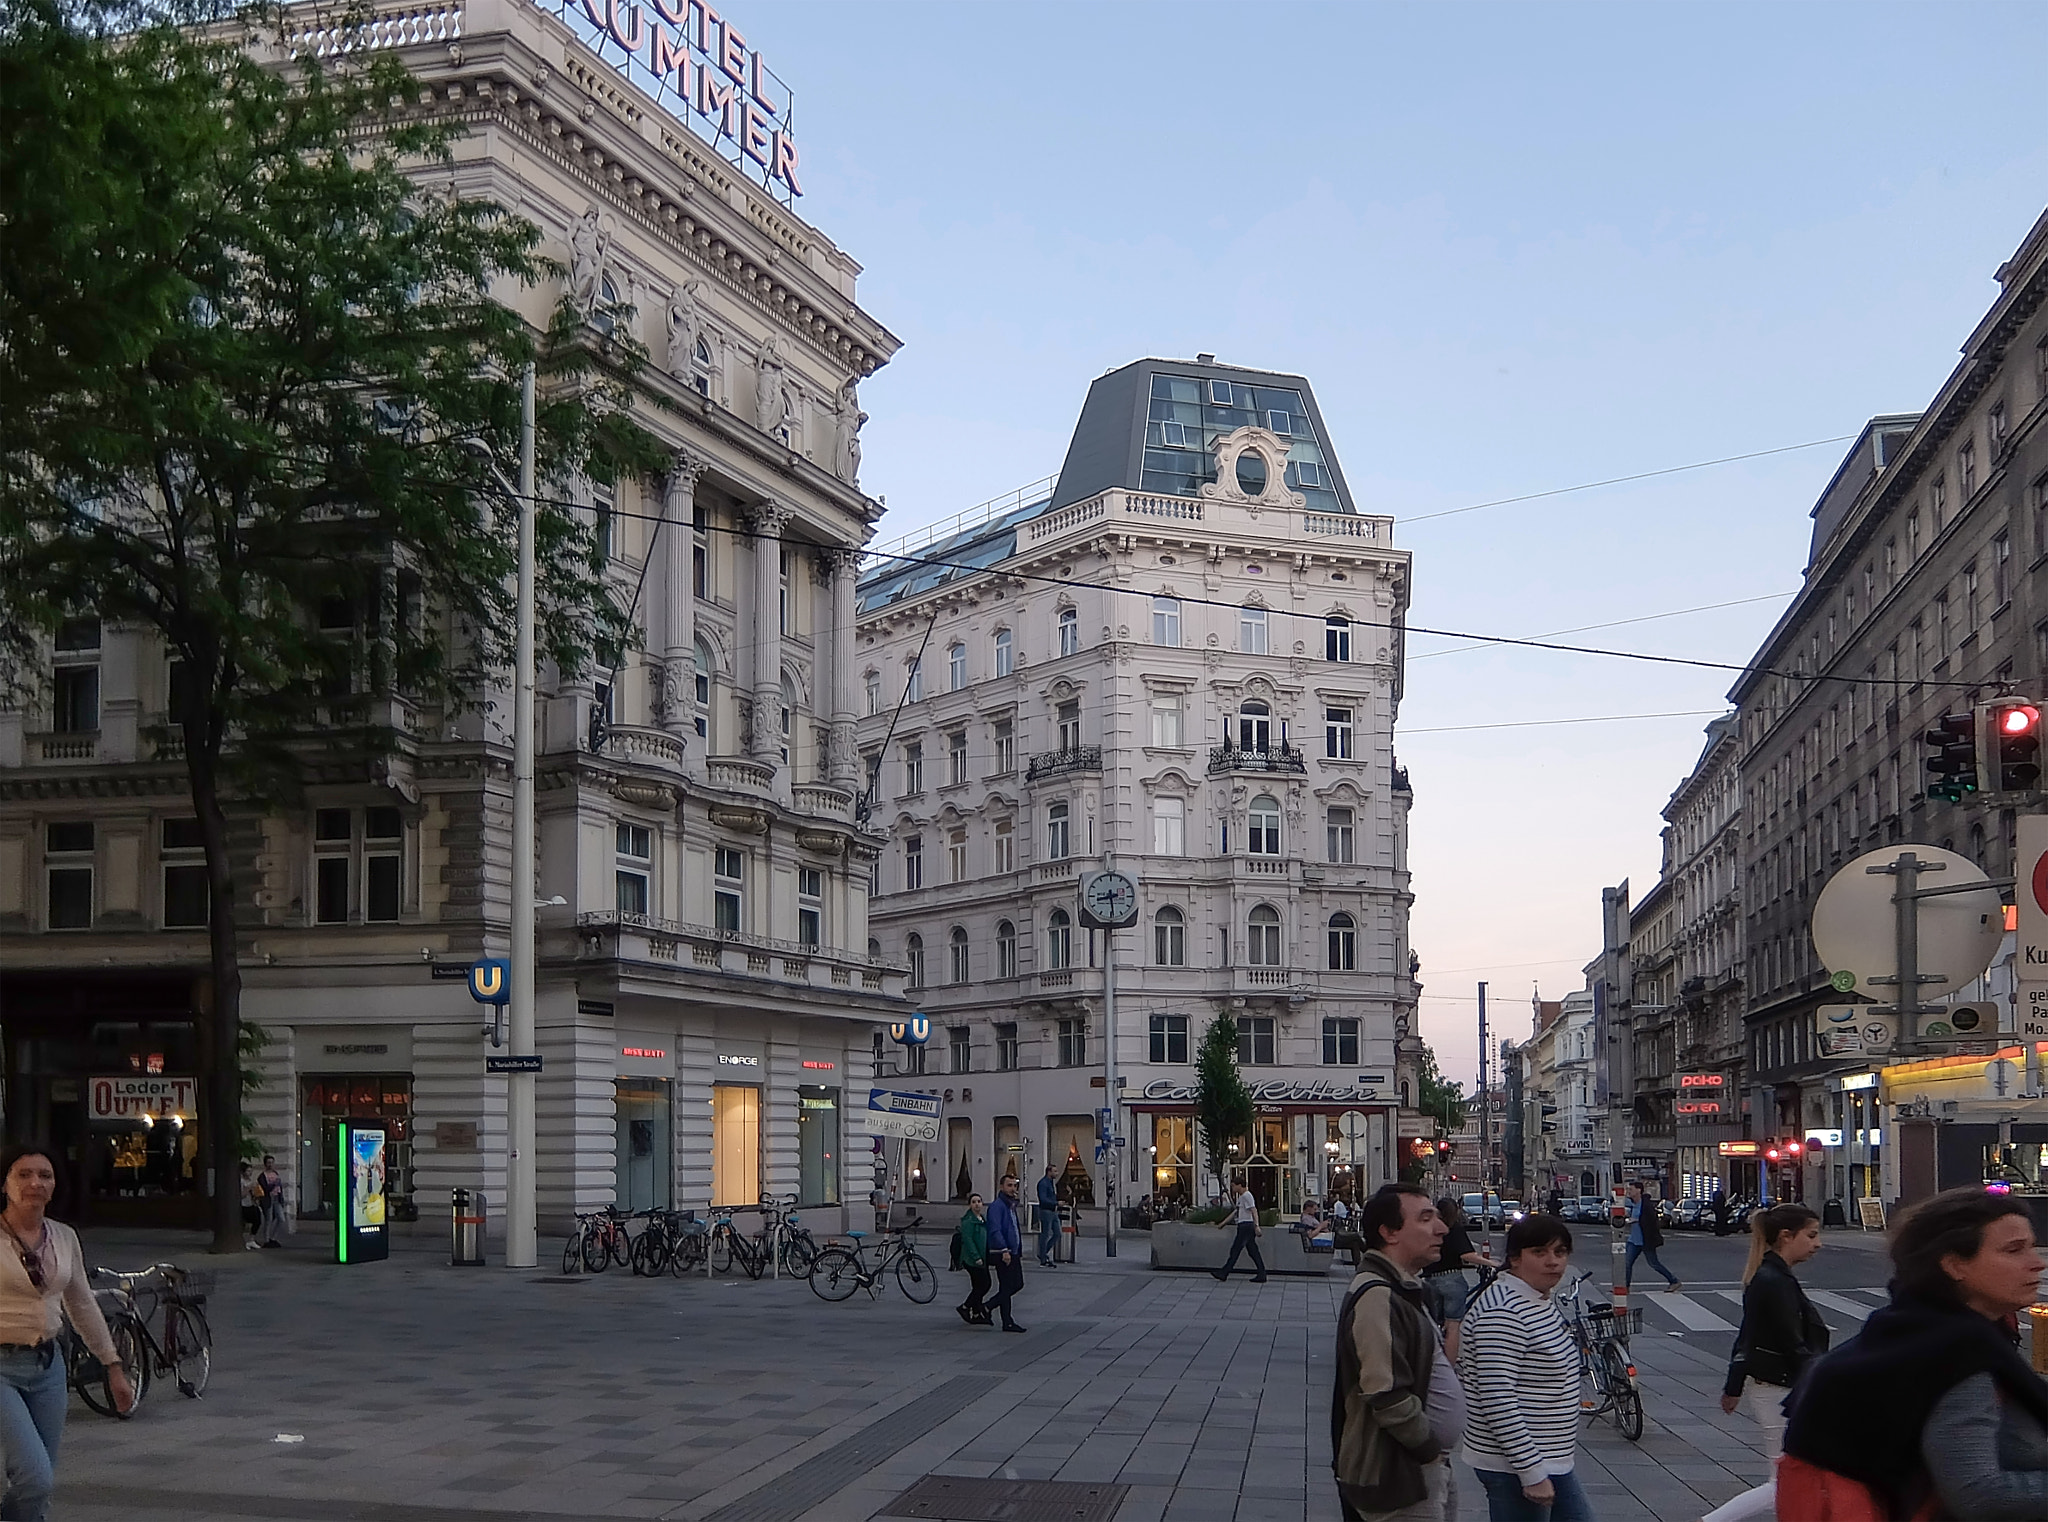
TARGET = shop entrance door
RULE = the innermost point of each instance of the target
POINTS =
(646, 1148)
(735, 1144)
(327, 1098)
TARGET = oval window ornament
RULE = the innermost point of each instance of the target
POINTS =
(1251, 473)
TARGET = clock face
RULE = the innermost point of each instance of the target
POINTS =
(1110, 896)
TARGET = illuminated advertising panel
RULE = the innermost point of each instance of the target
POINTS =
(362, 1147)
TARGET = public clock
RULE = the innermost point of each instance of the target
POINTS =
(1109, 901)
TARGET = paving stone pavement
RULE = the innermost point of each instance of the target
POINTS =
(424, 1393)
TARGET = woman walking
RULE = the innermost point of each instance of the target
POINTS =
(42, 1279)
(1781, 1332)
(974, 1258)
(1445, 1281)
(1931, 1405)
(271, 1182)
(1520, 1370)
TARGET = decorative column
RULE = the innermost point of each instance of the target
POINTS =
(676, 698)
(843, 762)
(768, 521)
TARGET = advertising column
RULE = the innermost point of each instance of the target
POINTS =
(359, 1219)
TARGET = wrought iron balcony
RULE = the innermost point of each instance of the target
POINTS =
(1283, 758)
(1076, 758)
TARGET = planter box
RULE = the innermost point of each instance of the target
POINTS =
(1175, 1244)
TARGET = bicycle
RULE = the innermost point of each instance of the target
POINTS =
(728, 1246)
(598, 1241)
(654, 1250)
(1602, 1337)
(783, 1241)
(839, 1270)
(129, 1301)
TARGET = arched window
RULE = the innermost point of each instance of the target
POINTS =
(1006, 949)
(873, 683)
(1343, 944)
(700, 365)
(788, 716)
(956, 667)
(705, 663)
(1254, 727)
(1170, 938)
(602, 316)
(1059, 940)
(913, 681)
(1262, 937)
(1251, 631)
(1058, 839)
(1070, 632)
(1006, 653)
(1166, 622)
(956, 955)
(913, 953)
(1336, 639)
(1262, 838)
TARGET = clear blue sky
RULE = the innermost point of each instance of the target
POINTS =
(1514, 248)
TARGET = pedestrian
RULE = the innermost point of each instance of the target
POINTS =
(1048, 1218)
(1521, 1373)
(1006, 1246)
(973, 1233)
(881, 1198)
(1244, 1215)
(1781, 1332)
(42, 1282)
(1556, 1202)
(1720, 1208)
(1445, 1278)
(1398, 1408)
(1932, 1401)
(1645, 1236)
(271, 1233)
(252, 1208)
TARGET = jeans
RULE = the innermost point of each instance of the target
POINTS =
(1048, 1233)
(1767, 1404)
(1247, 1240)
(1506, 1503)
(32, 1401)
(1637, 1250)
(1009, 1279)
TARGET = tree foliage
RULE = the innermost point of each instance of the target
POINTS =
(1223, 1105)
(1438, 1097)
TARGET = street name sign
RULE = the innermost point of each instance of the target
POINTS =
(512, 1063)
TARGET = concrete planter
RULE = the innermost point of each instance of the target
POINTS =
(1178, 1245)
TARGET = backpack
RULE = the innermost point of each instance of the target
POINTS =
(1810, 1493)
(953, 1252)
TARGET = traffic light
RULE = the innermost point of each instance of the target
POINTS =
(1793, 1148)
(1771, 1153)
(1952, 758)
(2012, 745)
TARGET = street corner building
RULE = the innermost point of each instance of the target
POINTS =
(1181, 658)
(707, 985)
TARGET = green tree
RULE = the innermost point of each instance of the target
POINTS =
(1439, 1099)
(246, 364)
(1223, 1105)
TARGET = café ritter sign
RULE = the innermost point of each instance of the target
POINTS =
(1317, 1092)
(697, 63)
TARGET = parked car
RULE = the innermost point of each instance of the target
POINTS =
(1592, 1210)
(1692, 1215)
(1492, 1214)
(1512, 1211)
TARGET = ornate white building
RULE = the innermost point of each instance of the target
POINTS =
(1186, 661)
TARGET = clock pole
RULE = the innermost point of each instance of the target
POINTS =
(1109, 1093)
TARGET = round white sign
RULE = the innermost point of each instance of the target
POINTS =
(1854, 924)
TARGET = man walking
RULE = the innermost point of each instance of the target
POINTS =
(1244, 1215)
(1398, 1408)
(1645, 1236)
(1048, 1218)
(1006, 1251)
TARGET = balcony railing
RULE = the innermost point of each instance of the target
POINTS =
(740, 774)
(1076, 758)
(76, 745)
(634, 742)
(1228, 758)
(645, 937)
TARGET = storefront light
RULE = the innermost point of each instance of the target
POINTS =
(148, 1120)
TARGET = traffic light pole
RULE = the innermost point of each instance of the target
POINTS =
(1485, 1139)
(1906, 897)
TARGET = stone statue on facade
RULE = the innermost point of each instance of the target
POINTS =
(768, 386)
(682, 327)
(850, 420)
(589, 242)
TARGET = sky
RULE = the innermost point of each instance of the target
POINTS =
(1514, 249)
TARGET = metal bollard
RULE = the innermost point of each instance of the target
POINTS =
(466, 1219)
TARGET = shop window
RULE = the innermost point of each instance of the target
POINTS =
(1255, 1040)
(1006, 1046)
(1006, 949)
(326, 1099)
(1173, 1158)
(644, 1141)
(635, 850)
(1073, 1047)
(727, 890)
(817, 1145)
(148, 1147)
(1169, 1038)
(735, 1144)
(68, 863)
(187, 899)
(810, 906)
(358, 865)
(1340, 1042)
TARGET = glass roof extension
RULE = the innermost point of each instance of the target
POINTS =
(984, 545)
(1186, 416)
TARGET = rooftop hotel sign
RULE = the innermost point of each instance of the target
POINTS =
(697, 63)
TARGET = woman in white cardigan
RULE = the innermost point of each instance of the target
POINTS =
(1520, 1370)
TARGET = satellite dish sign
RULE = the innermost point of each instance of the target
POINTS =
(1855, 925)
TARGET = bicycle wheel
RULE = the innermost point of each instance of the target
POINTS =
(721, 1250)
(188, 1349)
(918, 1280)
(650, 1253)
(835, 1274)
(688, 1255)
(89, 1375)
(798, 1253)
(620, 1244)
(753, 1257)
(572, 1252)
(1627, 1401)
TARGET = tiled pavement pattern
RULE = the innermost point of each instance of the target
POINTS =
(427, 1394)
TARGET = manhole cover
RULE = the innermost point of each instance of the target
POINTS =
(560, 1279)
(955, 1498)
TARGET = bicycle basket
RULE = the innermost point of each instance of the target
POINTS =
(195, 1283)
(1605, 1326)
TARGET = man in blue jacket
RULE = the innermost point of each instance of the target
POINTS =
(1048, 1218)
(1006, 1252)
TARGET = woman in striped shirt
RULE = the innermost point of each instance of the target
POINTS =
(1520, 1370)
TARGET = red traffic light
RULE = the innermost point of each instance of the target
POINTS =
(1792, 1148)
(2020, 719)
(1771, 1153)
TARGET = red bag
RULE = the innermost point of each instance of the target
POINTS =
(1808, 1493)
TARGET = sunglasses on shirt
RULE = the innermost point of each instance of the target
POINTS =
(32, 1261)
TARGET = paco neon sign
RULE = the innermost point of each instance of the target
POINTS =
(698, 64)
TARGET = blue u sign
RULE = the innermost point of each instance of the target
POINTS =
(490, 981)
(915, 1031)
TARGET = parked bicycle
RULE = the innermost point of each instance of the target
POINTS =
(599, 1240)
(728, 1245)
(1602, 1336)
(181, 1351)
(784, 1241)
(839, 1270)
(654, 1250)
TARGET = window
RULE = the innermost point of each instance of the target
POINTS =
(1068, 720)
(1005, 732)
(913, 954)
(1169, 939)
(75, 706)
(1005, 846)
(357, 851)
(956, 855)
(1971, 601)
(1169, 1035)
(1262, 937)
(704, 668)
(1966, 471)
(788, 716)
(1006, 1046)
(1070, 632)
(913, 682)
(331, 845)
(913, 767)
(1169, 827)
(2001, 571)
(956, 757)
(67, 858)
(1343, 943)
(913, 863)
(1940, 628)
(1262, 837)
(956, 667)
(1937, 502)
(1995, 428)
(727, 889)
(75, 635)
(1251, 631)
(810, 906)
(634, 847)
(1073, 1043)
(1059, 940)
(961, 1047)
(873, 683)
(956, 961)
(1057, 840)
(1336, 639)
(1340, 1042)
(602, 522)
(1006, 949)
(187, 895)
(1341, 835)
(1166, 622)
(1255, 1040)
(1337, 733)
(1166, 723)
(1254, 727)
(1006, 653)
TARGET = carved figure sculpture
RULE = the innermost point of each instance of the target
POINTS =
(589, 241)
(682, 328)
(850, 419)
(767, 386)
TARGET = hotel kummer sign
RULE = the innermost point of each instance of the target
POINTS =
(700, 66)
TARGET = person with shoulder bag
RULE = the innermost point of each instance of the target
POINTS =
(1781, 1332)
